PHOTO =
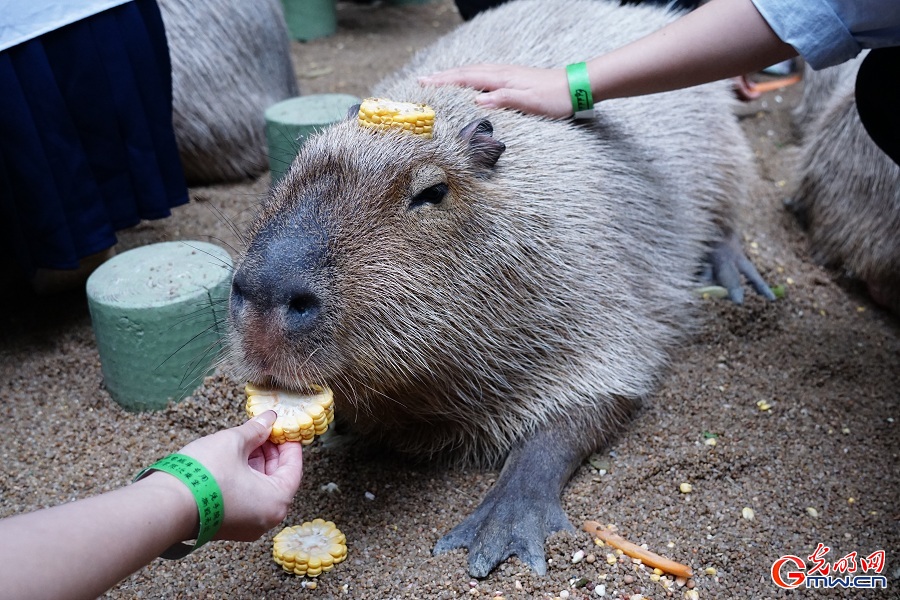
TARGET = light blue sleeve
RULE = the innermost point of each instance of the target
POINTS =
(22, 20)
(829, 32)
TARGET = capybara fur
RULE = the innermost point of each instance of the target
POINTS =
(848, 195)
(230, 61)
(508, 290)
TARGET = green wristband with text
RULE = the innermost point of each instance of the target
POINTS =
(206, 492)
(580, 88)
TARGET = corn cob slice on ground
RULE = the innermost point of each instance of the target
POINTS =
(309, 549)
(379, 113)
(301, 417)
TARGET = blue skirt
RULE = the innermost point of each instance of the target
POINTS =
(86, 139)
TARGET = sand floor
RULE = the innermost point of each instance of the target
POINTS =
(819, 466)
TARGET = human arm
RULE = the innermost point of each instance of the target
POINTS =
(721, 39)
(80, 549)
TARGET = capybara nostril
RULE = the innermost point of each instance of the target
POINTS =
(303, 308)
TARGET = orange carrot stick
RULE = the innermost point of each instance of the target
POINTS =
(776, 84)
(650, 559)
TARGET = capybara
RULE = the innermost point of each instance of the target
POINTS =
(508, 290)
(848, 195)
(230, 61)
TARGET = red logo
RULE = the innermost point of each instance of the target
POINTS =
(794, 578)
(790, 572)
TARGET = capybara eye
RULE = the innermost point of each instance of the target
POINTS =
(430, 195)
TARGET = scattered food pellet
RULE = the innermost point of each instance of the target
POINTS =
(370, 496)
(657, 570)
(711, 571)
(686, 488)
(564, 594)
(611, 559)
(748, 513)
(763, 405)
(577, 557)
(710, 441)
(600, 590)
(812, 512)
(692, 595)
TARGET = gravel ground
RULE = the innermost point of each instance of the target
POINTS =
(818, 466)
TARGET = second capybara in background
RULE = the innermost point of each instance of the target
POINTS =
(508, 291)
(230, 61)
(848, 195)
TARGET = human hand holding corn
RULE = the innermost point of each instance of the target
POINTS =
(106, 537)
(258, 478)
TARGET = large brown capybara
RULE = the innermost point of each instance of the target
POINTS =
(508, 290)
(848, 195)
(230, 61)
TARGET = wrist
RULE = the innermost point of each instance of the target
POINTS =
(580, 90)
(172, 496)
(205, 491)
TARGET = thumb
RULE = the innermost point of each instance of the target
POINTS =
(256, 431)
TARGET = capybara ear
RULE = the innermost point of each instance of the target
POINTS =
(484, 149)
(353, 112)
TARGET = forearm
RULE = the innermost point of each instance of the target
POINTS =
(722, 39)
(92, 544)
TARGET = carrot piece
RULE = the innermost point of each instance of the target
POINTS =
(650, 559)
(776, 84)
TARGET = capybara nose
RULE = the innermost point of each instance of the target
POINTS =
(287, 301)
(275, 286)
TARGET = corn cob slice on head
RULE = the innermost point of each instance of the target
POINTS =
(380, 114)
(301, 417)
(309, 549)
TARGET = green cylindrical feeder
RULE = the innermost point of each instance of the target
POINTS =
(310, 19)
(158, 313)
(291, 121)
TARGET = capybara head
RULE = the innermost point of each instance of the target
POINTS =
(372, 264)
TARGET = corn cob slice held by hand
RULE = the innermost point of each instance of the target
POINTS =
(309, 549)
(301, 416)
(380, 114)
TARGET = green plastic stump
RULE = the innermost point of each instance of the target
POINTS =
(310, 19)
(291, 121)
(158, 313)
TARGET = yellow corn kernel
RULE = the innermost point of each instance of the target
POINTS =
(301, 417)
(309, 549)
(379, 113)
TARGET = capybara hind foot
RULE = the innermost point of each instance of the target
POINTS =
(522, 509)
(728, 263)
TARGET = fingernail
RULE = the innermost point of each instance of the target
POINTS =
(267, 418)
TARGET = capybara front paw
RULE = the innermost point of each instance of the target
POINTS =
(502, 528)
(729, 263)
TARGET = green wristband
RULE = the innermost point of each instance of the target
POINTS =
(206, 492)
(580, 88)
